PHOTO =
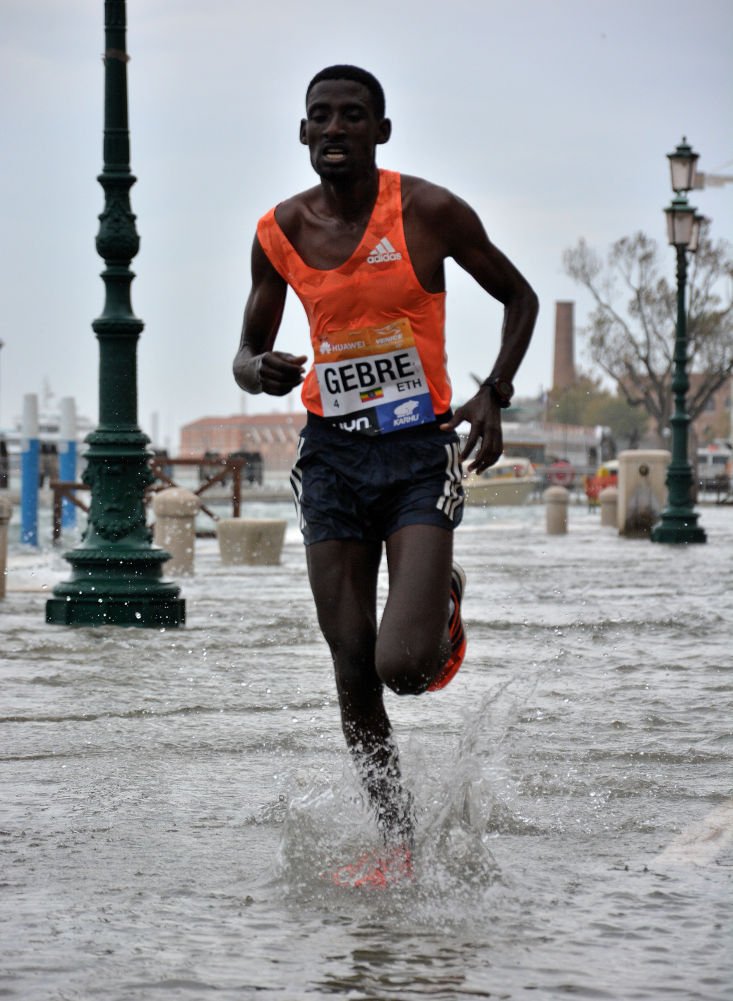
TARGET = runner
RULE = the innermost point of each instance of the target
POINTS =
(378, 462)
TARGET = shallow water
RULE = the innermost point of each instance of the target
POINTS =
(171, 800)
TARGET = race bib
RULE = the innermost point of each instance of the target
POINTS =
(372, 380)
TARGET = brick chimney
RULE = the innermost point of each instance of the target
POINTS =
(563, 373)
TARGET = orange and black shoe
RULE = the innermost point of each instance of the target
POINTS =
(456, 632)
(376, 870)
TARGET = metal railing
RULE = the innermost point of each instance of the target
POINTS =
(160, 466)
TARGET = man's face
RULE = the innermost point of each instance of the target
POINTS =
(341, 130)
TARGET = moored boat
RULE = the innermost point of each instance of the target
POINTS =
(510, 481)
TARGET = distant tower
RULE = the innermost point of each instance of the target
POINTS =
(563, 373)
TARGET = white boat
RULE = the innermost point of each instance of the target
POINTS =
(509, 481)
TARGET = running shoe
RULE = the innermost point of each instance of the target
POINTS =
(376, 871)
(456, 632)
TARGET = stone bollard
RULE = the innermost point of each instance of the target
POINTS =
(6, 510)
(556, 510)
(175, 514)
(642, 491)
(254, 541)
(609, 507)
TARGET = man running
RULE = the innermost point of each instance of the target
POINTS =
(378, 460)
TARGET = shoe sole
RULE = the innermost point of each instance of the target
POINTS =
(457, 655)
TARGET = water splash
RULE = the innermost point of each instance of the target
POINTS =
(460, 809)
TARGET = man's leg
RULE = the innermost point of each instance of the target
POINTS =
(413, 642)
(343, 577)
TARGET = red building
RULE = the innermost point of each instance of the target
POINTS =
(715, 420)
(274, 436)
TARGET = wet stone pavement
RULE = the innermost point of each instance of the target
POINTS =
(171, 799)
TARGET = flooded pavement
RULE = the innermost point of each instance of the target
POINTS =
(172, 799)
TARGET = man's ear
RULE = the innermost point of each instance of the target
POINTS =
(303, 139)
(385, 131)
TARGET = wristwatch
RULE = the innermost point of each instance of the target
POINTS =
(502, 389)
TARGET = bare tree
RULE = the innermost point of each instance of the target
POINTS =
(630, 332)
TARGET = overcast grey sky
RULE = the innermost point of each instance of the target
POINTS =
(551, 117)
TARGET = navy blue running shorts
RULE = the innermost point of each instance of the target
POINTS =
(352, 486)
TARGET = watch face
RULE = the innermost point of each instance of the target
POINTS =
(503, 390)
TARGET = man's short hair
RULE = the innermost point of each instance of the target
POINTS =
(366, 79)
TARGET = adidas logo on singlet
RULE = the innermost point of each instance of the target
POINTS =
(384, 251)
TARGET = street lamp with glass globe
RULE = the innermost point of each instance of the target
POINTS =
(679, 519)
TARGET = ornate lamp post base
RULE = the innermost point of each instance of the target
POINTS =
(98, 595)
(678, 523)
(678, 527)
(116, 574)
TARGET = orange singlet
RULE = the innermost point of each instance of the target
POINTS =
(378, 337)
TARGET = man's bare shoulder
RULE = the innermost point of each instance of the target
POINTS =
(429, 201)
(291, 211)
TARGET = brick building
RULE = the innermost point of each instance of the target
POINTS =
(714, 423)
(274, 436)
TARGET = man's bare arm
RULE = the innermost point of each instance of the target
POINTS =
(469, 246)
(257, 368)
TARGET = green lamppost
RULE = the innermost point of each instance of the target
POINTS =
(679, 520)
(116, 571)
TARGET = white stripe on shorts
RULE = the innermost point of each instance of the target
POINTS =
(296, 484)
(451, 499)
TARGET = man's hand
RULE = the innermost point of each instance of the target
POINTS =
(280, 372)
(484, 415)
(273, 372)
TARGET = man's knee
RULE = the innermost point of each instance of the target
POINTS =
(406, 670)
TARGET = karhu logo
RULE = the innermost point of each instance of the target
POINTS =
(405, 410)
(406, 413)
(383, 252)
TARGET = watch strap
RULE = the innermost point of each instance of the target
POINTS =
(502, 389)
